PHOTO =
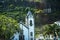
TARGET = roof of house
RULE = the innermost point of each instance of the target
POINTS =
(24, 25)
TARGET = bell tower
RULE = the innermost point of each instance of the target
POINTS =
(30, 25)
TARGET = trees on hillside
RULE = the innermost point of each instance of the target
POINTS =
(7, 27)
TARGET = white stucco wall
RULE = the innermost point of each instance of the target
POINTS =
(31, 28)
(25, 31)
(57, 22)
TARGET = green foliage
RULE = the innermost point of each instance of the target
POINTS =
(34, 0)
(37, 32)
(7, 27)
(50, 29)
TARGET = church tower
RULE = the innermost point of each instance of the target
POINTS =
(30, 25)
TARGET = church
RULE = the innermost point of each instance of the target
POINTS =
(28, 26)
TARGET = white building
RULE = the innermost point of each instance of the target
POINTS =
(57, 22)
(28, 27)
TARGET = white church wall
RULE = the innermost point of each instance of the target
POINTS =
(31, 28)
(21, 26)
(28, 33)
(25, 31)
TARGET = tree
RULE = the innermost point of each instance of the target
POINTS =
(7, 27)
(51, 29)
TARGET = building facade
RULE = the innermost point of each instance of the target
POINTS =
(28, 27)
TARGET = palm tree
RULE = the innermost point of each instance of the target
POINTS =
(51, 29)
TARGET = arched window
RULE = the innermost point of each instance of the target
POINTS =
(31, 33)
(31, 38)
(30, 22)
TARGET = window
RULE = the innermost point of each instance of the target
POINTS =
(30, 22)
(31, 33)
(31, 38)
